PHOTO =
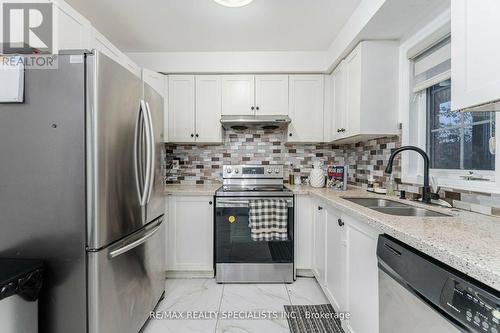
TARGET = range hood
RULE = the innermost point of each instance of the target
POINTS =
(240, 123)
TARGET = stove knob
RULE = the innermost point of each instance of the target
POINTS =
(277, 170)
(229, 170)
(269, 171)
(236, 171)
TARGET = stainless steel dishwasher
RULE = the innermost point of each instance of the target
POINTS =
(419, 294)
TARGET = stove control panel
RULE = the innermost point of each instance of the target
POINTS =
(253, 171)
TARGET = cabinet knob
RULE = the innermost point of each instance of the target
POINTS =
(210, 202)
(253, 108)
(290, 134)
(257, 108)
(343, 130)
(192, 135)
(197, 135)
(320, 208)
(338, 130)
(340, 222)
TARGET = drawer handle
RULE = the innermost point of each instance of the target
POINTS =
(320, 208)
(340, 222)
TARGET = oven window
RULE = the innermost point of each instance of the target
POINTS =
(234, 244)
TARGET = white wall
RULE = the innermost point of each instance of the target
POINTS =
(232, 62)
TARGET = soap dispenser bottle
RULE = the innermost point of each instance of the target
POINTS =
(391, 186)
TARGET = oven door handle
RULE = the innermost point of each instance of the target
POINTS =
(241, 203)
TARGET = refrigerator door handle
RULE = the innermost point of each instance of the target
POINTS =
(139, 181)
(149, 153)
(133, 241)
(152, 155)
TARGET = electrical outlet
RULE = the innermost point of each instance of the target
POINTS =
(175, 165)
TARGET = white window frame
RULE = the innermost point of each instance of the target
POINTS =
(413, 114)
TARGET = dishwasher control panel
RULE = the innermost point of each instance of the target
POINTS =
(473, 308)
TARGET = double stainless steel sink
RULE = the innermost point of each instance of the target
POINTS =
(395, 208)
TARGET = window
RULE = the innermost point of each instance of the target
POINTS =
(457, 140)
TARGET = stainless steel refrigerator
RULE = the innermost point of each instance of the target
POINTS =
(80, 187)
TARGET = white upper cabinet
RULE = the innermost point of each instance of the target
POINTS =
(166, 134)
(238, 94)
(475, 51)
(306, 102)
(181, 108)
(271, 94)
(364, 87)
(194, 109)
(335, 104)
(208, 108)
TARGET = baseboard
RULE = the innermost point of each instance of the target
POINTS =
(300, 272)
(189, 274)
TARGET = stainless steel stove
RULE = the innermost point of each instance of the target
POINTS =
(238, 258)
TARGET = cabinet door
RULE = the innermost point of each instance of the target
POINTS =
(190, 243)
(339, 101)
(208, 109)
(238, 95)
(336, 260)
(306, 108)
(362, 276)
(474, 54)
(166, 120)
(181, 108)
(353, 93)
(319, 242)
(304, 232)
(271, 94)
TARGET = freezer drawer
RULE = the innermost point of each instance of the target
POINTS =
(126, 281)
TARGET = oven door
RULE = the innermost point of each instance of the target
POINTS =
(233, 242)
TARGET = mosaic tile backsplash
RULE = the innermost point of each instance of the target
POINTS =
(202, 164)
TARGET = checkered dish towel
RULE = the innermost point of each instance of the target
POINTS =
(268, 219)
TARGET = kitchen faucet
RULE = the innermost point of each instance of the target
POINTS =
(427, 195)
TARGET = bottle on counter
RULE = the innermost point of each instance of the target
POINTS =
(391, 186)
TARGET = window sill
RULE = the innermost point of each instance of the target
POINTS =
(482, 186)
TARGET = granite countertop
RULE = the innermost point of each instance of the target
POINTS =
(468, 242)
(208, 189)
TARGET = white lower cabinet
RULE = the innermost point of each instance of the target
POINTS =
(344, 262)
(362, 276)
(190, 233)
(336, 261)
(319, 253)
(304, 232)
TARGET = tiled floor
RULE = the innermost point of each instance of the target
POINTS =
(207, 295)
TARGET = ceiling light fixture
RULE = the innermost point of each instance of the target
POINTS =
(233, 3)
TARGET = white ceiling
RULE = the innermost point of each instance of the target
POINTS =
(203, 25)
